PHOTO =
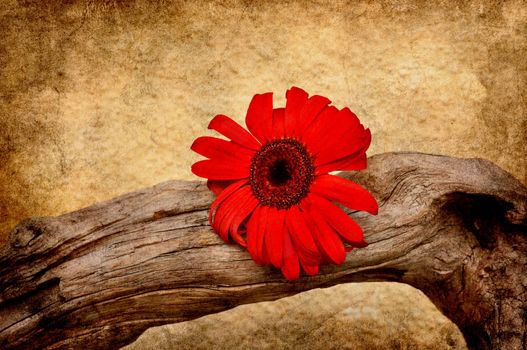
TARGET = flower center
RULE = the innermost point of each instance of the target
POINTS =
(281, 173)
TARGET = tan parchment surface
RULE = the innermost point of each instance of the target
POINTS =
(98, 98)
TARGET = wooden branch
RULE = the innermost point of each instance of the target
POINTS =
(98, 277)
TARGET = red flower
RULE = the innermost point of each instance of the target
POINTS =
(275, 195)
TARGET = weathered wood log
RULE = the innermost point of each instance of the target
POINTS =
(98, 277)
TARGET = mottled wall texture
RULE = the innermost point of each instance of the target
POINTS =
(99, 98)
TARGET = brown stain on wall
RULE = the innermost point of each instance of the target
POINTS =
(29, 122)
(99, 98)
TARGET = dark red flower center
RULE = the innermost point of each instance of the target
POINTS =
(281, 173)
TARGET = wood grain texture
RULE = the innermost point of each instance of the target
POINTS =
(97, 277)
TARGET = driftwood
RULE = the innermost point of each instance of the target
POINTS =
(98, 277)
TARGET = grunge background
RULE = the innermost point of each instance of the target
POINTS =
(98, 98)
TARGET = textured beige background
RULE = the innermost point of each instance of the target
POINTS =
(356, 316)
(101, 98)
(98, 98)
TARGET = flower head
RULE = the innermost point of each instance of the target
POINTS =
(275, 195)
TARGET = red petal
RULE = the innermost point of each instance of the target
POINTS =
(233, 212)
(278, 122)
(232, 130)
(353, 162)
(345, 192)
(224, 195)
(315, 135)
(336, 134)
(326, 238)
(314, 106)
(339, 220)
(310, 270)
(243, 210)
(344, 144)
(220, 169)
(217, 186)
(212, 147)
(296, 99)
(290, 266)
(356, 161)
(256, 233)
(227, 211)
(274, 236)
(302, 236)
(259, 118)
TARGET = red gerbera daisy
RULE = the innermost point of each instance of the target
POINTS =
(275, 195)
